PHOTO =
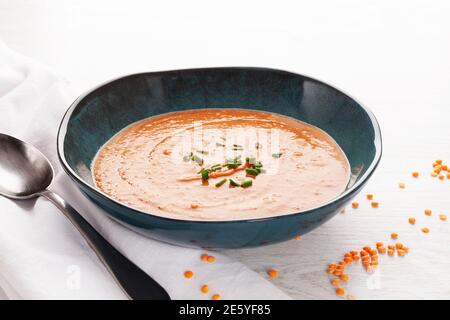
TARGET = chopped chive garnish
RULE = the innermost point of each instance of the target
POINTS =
(233, 163)
(252, 172)
(221, 183)
(246, 184)
(258, 145)
(205, 174)
(197, 159)
(202, 152)
(277, 155)
(220, 145)
(216, 167)
(234, 183)
(258, 164)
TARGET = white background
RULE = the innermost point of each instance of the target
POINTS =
(394, 56)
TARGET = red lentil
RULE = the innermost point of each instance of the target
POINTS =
(272, 273)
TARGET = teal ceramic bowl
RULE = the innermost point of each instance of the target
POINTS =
(100, 113)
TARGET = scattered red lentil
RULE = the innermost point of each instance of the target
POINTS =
(272, 273)
(369, 196)
(355, 205)
(441, 177)
(298, 238)
(211, 259)
(194, 205)
(428, 212)
(401, 185)
(415, 174)
(335, 282)
(204, 288)
(204, 257)
(167, 152)
(391, 252)
(394, 235)
(443, 217)
(215, 297)
(412, 220)
(438, 161)
(374, 204)
(344, 277)
(348, 260)
(425, 230)
(188, 274)
(340, 291)
(381, 250)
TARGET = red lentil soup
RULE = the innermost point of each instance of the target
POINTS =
(221, 164)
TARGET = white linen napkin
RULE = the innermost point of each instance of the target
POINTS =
(42, 256)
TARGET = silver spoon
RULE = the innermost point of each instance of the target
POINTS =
(26, 173)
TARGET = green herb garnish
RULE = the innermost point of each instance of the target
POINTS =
(205, 174)
(234, 183)
(277, 155)
(233, 163)
(221, 183)
(247, 184)
(216, 167)
(197, 159)
(258, 165)
(252, 172)
(258, 145)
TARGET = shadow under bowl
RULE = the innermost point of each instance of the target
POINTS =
(103, 111)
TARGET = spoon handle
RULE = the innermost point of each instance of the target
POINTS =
(134, 282)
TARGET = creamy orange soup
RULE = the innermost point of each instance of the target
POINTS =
(221, 164)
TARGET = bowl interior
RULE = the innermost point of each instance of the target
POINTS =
(94, 118)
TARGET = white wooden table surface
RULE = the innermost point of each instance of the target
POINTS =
(392, 55)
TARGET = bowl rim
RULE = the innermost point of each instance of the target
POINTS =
(62, 130)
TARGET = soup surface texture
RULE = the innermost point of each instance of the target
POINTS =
(221, 164)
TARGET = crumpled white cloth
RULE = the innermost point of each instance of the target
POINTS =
(42, 256)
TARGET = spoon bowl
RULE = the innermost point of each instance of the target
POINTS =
(24, 170)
